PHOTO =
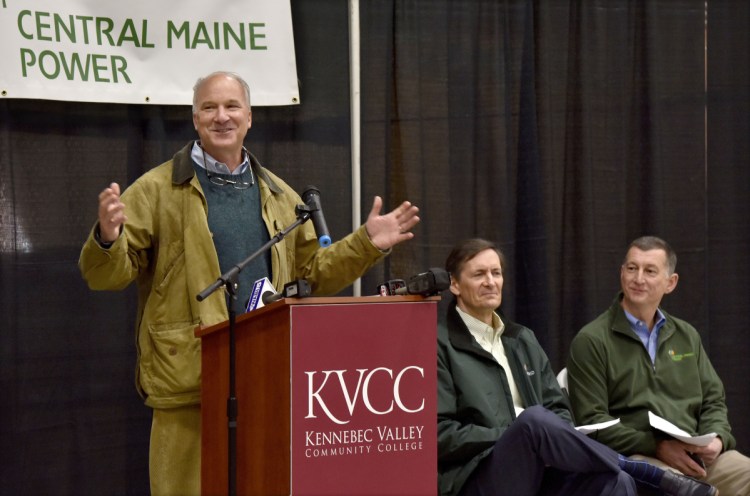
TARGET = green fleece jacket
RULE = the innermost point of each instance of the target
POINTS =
(474, 401)
(610, 375)
(166, 247)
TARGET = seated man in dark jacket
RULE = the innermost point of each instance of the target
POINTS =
(504, 425)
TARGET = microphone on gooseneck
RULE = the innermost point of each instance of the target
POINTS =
(311, 197)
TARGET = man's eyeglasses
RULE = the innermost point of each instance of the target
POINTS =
(221, 181)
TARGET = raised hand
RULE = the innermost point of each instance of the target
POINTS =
(388, 230)
(111, 213)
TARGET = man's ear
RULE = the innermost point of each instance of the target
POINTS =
(454, 287)
(672, 283)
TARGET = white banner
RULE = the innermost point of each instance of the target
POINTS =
(144, 51)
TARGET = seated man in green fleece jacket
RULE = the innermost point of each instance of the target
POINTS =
(635, 358)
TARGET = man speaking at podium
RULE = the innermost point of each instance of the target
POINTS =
(180, 226)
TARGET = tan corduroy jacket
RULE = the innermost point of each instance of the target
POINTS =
(166, 247)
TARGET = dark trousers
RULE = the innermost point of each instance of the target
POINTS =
(541, 454)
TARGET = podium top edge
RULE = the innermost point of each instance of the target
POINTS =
(202, 330)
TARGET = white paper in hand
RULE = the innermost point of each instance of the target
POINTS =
(588, 429)
(666, 426)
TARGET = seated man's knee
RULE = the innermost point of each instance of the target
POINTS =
(534, 413)
(537, 415)
(537, 421)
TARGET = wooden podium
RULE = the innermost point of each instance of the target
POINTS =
(336, 396)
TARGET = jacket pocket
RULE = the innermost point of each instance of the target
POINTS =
(175, 365)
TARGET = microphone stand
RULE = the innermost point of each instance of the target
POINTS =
(229, 281)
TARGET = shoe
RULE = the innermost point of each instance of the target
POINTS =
(675, 484)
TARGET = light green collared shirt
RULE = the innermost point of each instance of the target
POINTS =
(488, 338)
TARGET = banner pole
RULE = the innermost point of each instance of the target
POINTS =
(355, 112)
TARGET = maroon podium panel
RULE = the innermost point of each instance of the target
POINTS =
(335, 396)
(364, 399)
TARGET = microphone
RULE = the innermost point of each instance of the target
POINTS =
(299, 288)
(261, 287)
(311, 197)
(389, 288)
(427, 283)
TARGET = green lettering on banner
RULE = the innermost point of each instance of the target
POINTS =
(184, 29)
(49, 56)
(100, 68)
(130, 34)
(40, 25)
(254, 35)
(211, 35)
(120, 64)
(21, 15)
(144, 35)
(75, 65)
(201, 36)
(104, 26)
(28, 58)
(69, 29)
(238, 39)
(85, 21)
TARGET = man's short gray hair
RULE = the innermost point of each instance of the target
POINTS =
(646, 243)
(228, 74)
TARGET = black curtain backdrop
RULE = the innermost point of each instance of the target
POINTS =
(560, 129)
(726, 269)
